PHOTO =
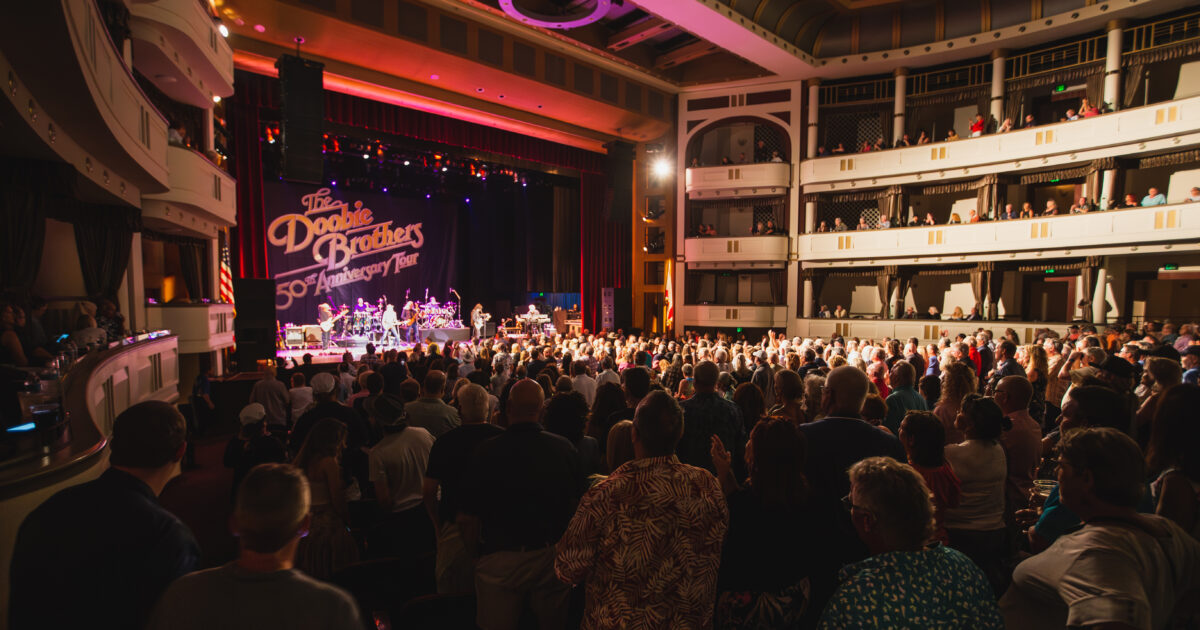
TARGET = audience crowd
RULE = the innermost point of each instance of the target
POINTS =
(621, 481)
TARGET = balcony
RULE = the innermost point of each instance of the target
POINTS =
(739, 180)
(177, 46)
(747, 316)
(200, 185)
(62, 50)
(925, 330)
(199, 327)
(728, 249)
(1158, 228)
(1164, 126)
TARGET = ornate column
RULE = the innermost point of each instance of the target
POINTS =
(901, 78)
(1100, 297)
(814, 104)
(1112, 65)
(999, 57)
(808, 295)
(810, 217)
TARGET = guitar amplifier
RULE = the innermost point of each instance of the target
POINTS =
(293, 337)
(312, 333)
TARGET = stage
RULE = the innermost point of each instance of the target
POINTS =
(357, 345)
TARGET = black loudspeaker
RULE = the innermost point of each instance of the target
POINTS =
(623, 307)
(254, 326)
(618, 206)
(302, 115)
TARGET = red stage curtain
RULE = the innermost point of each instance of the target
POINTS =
(604, 254)
(250, 235)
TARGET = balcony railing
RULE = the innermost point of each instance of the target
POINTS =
(200, 185)
(739, 180)
(1045, 145)
(200, 327)
(726, 249)
(748, 316)
(925, 330)
(1094, 230)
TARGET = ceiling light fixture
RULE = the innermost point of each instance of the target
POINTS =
(582, 17)
(260, 28)
(224, 30)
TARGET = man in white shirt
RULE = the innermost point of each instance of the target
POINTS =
(396, 466)
(1154, 198)
(582, 382)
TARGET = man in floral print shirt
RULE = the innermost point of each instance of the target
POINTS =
(906, 583)
(647, 540)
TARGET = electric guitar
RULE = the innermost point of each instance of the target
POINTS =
(416, 314)
(327, 325)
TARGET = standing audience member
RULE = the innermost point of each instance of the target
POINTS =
(707, 414)
(1172, 456)
(449, 460)
(107, 544)
(301, 396)
(1022, 442)
(958, 380)
(429, 411)
(903, 397)
(357, 429)
(976, 526)
(272, 394)
(763, 580)
(905, 583)
(1122, 569)
(328, 546)
(519, 493)
(647, 540)
(261, 589)
(396, 466)
(924, 441)
(253, 445)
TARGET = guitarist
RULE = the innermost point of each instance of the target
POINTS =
(325, 315)
(411, 315)
(478, 318)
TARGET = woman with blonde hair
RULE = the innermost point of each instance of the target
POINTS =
(958, 380)
(1033, 358)
(328, 545)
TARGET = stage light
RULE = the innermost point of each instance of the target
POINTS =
(224, 30)
(468, 200)
(427, 195)
(333, 183)
(443, 169)
(385, 189)
(260, 28)
(366, 156)
(216, 98)
(661, 167)
(406, 162)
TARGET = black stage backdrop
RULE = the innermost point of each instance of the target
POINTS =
(335, 245)
(327, 245)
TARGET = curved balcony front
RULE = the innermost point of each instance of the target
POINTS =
(77, 75)
(1110, 232)
(738, 180)
(199, 327)
(199, 185)
(1169, 125)
(727, 316)
(176, 45)
(740, 249)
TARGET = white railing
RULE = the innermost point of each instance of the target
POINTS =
(135, 124)
(923, 329)
(1029, 148)
(1094, 230)
(738, 180)
(188, 29)
(750, 316)
(200, 327)
(201, 185)
(725, 249)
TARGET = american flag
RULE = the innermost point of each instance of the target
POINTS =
(225, 289)
(669, 326)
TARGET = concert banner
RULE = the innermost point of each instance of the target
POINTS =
(326, 245)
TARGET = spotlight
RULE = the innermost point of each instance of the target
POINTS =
(224, 30)
(406, 162)
(385, 189)
(661, 167)
(366, 156)
(468, 200)
(260, 28)
(443, 169)
(216, 98)
(333, 183)
(427, 195)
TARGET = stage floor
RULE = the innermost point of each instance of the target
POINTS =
(357, 346)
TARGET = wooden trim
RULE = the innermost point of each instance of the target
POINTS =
(939, 21)
(985, 16)
(854, 32)
(896, 28)
(1035, 9)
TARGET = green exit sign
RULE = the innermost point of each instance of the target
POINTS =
(1050, 272)
(1060, 88)
(1170, 267)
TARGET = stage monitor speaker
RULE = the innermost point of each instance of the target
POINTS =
(302, 118)
(623, 307)
(618, 202)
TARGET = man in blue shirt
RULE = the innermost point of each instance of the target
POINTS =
(904, 396)
(1191, 365)
(1154, 198)
(99, 554)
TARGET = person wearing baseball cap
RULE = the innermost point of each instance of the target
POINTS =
(253, 445)
(326, 405)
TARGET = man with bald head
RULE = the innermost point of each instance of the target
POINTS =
(518, 496)
(1022, 443)
(840, 439)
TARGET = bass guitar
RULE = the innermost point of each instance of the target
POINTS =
(327, 325)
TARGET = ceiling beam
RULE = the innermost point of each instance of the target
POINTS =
(639, 32)
(684, 54)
